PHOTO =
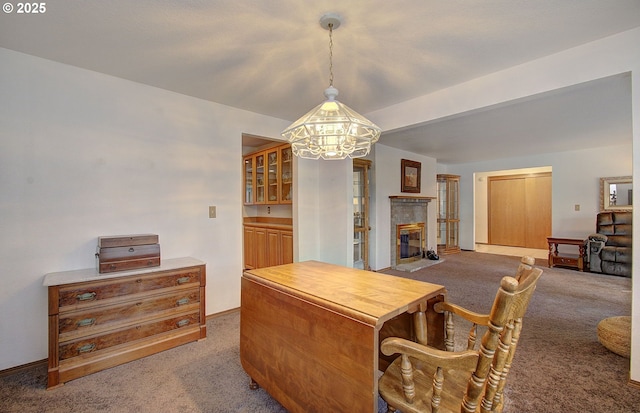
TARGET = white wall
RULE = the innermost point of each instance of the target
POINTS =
(635, 309)
(609, 56)
(387, 182)
(323, 213)
(83, 155)
(575, 181)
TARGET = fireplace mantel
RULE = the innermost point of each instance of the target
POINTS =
(411, 198)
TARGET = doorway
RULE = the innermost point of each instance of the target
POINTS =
(361, 228)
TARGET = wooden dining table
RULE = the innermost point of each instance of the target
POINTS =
(310, 331)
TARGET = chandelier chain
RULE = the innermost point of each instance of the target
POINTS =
(330, 54)
(331, 130)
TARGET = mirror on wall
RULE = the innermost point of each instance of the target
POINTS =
(616, 193)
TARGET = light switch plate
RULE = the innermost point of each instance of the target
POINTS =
(212, 212)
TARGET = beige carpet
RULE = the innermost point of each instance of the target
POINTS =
(559, 366)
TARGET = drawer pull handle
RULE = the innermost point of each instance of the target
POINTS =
(183, 323)
(86, 322)
(131, 250)
(183, 301)
(86, 348)
(86, 296)
(183, 280)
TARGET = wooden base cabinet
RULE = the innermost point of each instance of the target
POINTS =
(97, 321)
(267, 244)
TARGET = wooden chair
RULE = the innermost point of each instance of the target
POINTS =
(425, 379)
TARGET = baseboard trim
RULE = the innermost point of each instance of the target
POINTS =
(16, 369)
(634, 384)
(230, 311)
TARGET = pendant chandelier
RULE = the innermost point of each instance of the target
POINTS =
(331, 130)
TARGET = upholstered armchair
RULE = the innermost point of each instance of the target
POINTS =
(609, 249)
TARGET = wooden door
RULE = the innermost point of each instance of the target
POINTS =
(538, 211)
(520, 210)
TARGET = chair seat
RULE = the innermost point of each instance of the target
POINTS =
(616, 254)
(390, 386)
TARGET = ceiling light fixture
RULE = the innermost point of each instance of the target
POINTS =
(331, 130)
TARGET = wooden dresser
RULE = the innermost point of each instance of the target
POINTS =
(97, 321)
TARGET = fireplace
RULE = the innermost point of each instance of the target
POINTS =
(410, 213)
(410, 242)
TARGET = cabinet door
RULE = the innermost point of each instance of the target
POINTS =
(249, 247)
(287, 247)
(261, 248)
(286, 175)
(260, 195)
(273, 175)
(274, 250)
(249, 180)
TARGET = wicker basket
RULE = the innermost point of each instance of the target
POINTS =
(615, 334)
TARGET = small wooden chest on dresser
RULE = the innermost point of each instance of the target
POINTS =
(97, 321)
(127, 252)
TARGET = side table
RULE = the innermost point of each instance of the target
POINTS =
(564, 259)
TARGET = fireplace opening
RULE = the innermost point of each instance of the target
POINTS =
(410, 242)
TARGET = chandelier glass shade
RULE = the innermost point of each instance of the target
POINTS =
(331, 130)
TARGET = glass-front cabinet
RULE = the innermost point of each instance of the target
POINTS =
(268, 176)
(273, 172)
(286, 174)
(448, 188)
(260, 179)
(249, 184)
(361, 168)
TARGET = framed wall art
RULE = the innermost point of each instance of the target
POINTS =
(410, 176)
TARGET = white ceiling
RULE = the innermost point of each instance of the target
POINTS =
(271, 57)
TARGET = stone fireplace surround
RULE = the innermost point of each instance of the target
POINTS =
(406, 210)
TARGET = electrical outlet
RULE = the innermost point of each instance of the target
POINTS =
(212, 212)
(576, 207)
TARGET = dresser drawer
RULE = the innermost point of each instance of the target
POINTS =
(88, 294)
(95, 343)
(113, 266)
(90, 321)
(568, 261)
(132, 252)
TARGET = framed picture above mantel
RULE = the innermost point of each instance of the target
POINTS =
(410, 176)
